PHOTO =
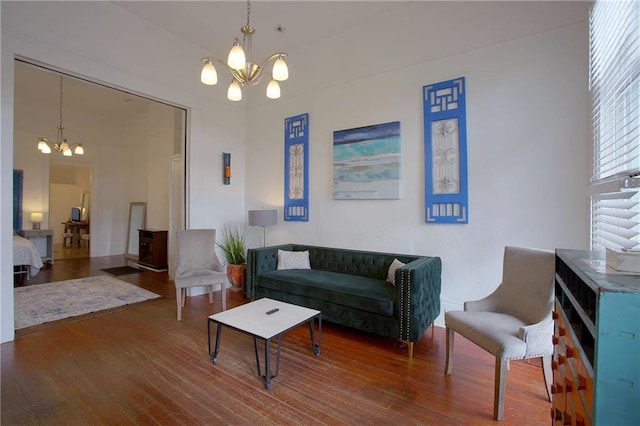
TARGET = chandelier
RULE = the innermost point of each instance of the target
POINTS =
(61, 145)
(242, 70)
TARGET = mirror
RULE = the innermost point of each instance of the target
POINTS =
(84, 207)
(137, 220)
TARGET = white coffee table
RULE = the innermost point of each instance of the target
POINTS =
(253, 319)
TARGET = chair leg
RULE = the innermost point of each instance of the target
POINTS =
(179, 303)
(500, 385)
(449, 356)
(547, 373)
(211, 293)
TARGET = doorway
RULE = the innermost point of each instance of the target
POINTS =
(69, 189)
(128, 143)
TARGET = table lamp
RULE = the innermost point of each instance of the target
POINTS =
(263, 218)
(36, 219)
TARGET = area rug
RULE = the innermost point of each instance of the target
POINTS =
(121, 270)
(38, 304)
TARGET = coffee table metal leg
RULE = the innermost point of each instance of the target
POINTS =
(214, 356)
(278, 357)
(209, 334)
(315, 346)
(255, 347)
(267, 361)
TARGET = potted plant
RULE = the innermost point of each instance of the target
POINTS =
(235, 250)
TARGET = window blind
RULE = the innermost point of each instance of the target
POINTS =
(614, 83)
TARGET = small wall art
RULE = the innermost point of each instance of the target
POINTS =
(296, 168)
(366, 162)
(226, 168)
(445, 152)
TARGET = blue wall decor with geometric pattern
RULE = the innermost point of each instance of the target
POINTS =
(296, 168)
(445, 149)
(17, 199)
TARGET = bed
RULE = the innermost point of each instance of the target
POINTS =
(25, 257)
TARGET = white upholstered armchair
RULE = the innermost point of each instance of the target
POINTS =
(513, 322)
(197, 265)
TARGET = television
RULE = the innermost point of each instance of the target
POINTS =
(75, 214)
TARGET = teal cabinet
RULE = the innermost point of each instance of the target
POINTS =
(596, 362)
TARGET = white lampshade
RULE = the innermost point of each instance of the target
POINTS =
(263, 217)
(280, 70)
(234, 93)
(79, 150)
(236, 59)
(209, 76)
(67, 152)
(36, 217)
(273, 89)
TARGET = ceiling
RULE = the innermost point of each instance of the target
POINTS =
(352, 33)
(213, 25)
(39, 85)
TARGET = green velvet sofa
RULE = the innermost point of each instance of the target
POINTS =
(350, 288)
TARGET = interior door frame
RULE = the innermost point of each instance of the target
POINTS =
(185, 133)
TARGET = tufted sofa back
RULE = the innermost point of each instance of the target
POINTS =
(352, 262)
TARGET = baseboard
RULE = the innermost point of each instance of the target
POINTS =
(150, 268)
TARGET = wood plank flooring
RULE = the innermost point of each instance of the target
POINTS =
(138, 365)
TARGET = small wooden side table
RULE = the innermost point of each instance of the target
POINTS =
(152, 248)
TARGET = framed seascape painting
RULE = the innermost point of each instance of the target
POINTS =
(366, 162)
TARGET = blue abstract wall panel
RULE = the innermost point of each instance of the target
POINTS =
(445, 147)
(296, 168)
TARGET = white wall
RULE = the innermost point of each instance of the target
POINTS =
(159, 138)
(528, 152)
(35, 168)
(80, 37)
(525, 64)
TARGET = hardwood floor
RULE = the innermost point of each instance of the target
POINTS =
(138, 365)
(64, 252)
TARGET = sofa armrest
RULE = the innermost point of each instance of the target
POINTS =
(261, 260)
(418, 286)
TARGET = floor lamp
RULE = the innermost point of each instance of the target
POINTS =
(263, 218)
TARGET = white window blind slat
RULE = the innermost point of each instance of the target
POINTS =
(616, 220)
(614, 84)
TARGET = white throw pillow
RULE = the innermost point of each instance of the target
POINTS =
(293, 260)
(391, 275)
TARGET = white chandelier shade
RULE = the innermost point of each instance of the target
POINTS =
(243, 71)
(234, 93)
(61, 145)
(273, 89)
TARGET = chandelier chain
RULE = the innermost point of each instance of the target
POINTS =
(248, 12)
(60, 145)
(60, 101)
